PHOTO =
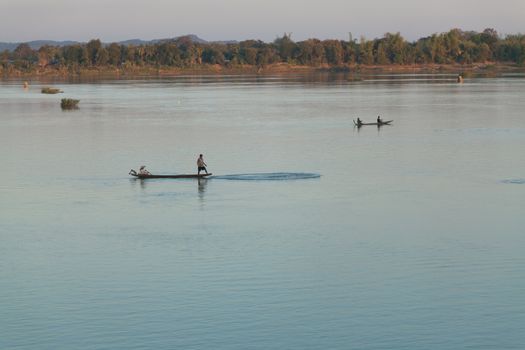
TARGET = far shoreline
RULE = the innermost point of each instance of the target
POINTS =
(110, 72)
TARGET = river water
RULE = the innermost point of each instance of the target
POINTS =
(313, 235)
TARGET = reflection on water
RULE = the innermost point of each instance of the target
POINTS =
(201, 186)
(136, 181)
(358, 128)
(331, 78)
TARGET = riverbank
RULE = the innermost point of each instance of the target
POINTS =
(280, 68)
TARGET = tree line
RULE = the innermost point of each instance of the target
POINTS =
(454, 46)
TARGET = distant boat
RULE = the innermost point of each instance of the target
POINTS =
(386, 122)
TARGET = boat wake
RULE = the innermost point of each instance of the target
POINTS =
(268, 176)
(514, 181)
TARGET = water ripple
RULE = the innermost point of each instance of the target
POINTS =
(268, 176)
(514, 181)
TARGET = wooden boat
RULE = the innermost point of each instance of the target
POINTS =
(387, 122)
(179, 176)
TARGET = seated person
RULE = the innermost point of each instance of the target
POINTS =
(143, 171)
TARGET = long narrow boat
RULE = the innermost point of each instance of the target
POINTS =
(179, 176)
(387, 122)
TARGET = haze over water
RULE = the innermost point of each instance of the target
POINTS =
(411, 238)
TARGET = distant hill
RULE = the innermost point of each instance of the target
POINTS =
(193, 38)
(36, 44)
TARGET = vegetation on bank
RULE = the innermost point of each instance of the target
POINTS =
(50, 90)
(453, 47)
(69, 103)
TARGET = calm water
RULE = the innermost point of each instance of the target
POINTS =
(412, 237)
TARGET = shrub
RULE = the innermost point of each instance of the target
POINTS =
(69, 103)
(49, 90)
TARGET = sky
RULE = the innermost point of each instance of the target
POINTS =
(116, 20)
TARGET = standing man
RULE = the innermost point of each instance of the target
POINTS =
(201, 165)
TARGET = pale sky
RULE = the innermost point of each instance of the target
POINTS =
(116, 20)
